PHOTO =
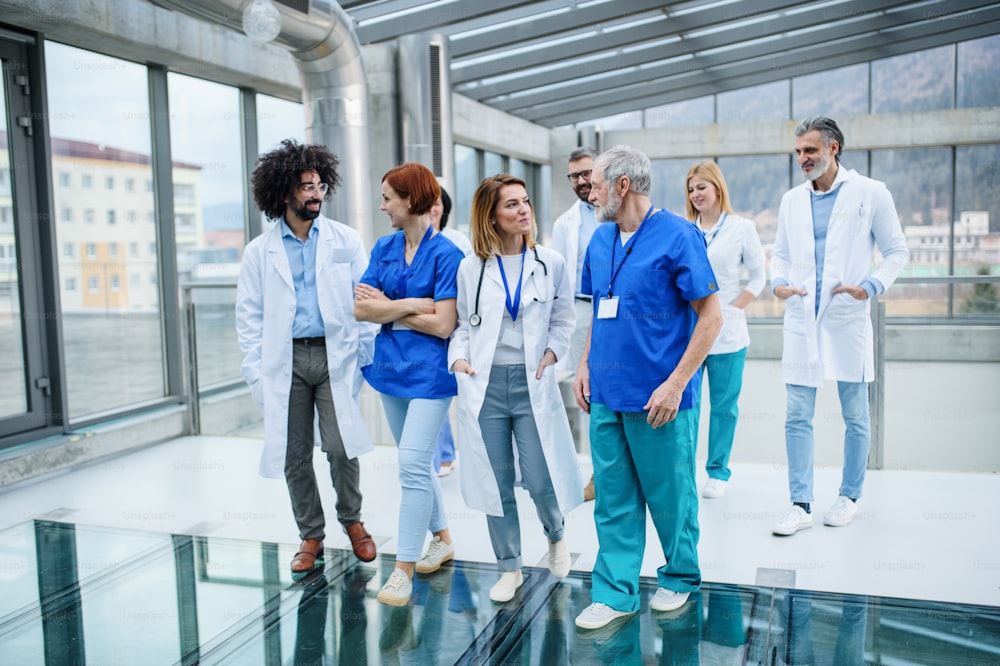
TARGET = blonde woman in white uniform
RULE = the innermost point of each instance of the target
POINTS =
(515, 317)
(733, 245)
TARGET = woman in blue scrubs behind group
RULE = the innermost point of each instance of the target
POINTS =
(410, 289)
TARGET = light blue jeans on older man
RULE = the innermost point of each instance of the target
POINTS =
(415, 423)
(799, 438)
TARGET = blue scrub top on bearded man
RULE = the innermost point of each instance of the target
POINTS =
(654, 276)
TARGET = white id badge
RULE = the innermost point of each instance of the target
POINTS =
(512, 338)
(607, 308)
(399, 326)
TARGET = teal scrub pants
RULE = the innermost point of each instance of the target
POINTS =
(636, 467)
(725, 380)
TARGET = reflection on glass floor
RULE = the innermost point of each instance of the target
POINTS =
(73, 594)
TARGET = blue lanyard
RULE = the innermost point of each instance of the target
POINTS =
(513, 307)
(614, 245)
(408, 271)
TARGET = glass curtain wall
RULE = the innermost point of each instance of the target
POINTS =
(108, 267)
(205, 143)
(13, 378)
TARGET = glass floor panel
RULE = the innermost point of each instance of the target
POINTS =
(75, 594)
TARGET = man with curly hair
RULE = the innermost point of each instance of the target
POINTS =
(302, 348)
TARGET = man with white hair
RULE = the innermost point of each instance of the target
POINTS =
(656, 316)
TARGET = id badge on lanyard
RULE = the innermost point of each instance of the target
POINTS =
(607, 307)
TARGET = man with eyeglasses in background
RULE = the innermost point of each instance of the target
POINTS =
(302, 348)
(571, 234)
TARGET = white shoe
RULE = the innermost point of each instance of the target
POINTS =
(559, 561)
(796, 519)
(597, 615)
(841, 513)
(668, 600)
(438, 552)
(714, 488)
(397, 590)
(505, 588)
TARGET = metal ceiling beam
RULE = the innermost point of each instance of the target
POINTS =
(674, 26)
(579, 18)
(582, 110)
(887, 25)
(747, 33)
(431, 19)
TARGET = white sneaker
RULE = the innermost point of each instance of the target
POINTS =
(841, 513)
(796, 519)
(438, 552)
(397, 590)
(668, 600)
(505, 588)
(597, 615)
(714, 488)
(559, 561)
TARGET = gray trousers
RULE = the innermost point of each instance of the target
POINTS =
(507, 411)
(310, 394)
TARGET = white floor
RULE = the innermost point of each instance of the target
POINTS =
(919, 535)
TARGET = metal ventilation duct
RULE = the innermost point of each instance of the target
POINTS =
(321, 37)
(425, 104)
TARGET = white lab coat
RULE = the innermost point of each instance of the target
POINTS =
(265, 310)
(547, 308)
(835, 343)
(566, 239)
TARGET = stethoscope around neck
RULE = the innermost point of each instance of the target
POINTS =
(474, 318)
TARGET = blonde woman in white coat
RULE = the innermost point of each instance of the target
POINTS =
(733, 246)
(515, 318)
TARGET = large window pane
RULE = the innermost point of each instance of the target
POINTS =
(208, 208)
(920, 182)
(278, 119)
(811, 94)
(977, 203)
(700, 111)
(756, 185)
(668, 188)
(99, 127)
(979, 73)
(921, 81)
(13, 379)
(208, 177)
(492, 164)
(758, 103)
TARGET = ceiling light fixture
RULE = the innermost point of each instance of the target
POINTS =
(261, 21)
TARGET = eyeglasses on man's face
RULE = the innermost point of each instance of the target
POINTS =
(313, 188)
(577, 175)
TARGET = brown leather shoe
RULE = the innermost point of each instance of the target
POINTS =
(588, 490)
(310, 550)
(361, 541)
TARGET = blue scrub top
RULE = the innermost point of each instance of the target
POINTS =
(666, 267)
(410, 364)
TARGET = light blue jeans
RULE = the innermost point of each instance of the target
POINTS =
(415, 423)
(799, 438)
(725, 380)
